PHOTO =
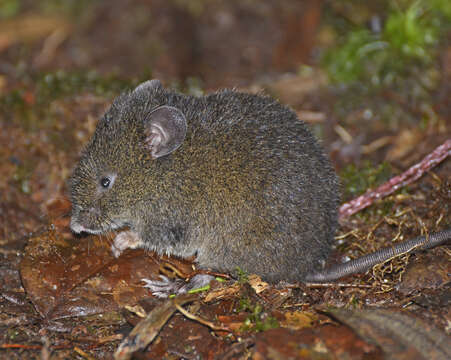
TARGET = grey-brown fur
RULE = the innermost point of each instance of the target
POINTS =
(248, 187)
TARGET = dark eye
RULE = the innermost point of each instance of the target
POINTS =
(105, 182)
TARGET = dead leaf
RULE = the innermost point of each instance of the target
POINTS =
(257, 283)
(400, 335)
(148, 328)
(66, 277)
(428, 272)
(327, 342)
(298, 320)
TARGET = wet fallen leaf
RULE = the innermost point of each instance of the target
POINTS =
(427, 272)
(66, 277)
(186, 339)
(233, 322)
(400, 335)
(327, 342)
(436, 299)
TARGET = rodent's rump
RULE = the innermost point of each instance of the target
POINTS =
(233, 178)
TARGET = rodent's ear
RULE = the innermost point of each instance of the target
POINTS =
(165, 130)
(148, 86)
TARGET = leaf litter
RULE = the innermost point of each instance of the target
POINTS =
(72, 299)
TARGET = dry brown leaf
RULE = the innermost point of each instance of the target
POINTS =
(298, 320)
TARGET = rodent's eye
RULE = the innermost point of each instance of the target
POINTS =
(105, 182)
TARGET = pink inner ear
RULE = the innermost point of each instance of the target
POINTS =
(156, 139)
(151, 141)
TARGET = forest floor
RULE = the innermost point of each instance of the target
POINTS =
(64, 296)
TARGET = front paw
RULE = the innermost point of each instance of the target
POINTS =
(165, 287)
(125, 240)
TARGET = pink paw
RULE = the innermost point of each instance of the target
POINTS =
(125, 240)
(165, 287)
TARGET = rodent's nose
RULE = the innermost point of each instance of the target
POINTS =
(85, 221)
(76, 227)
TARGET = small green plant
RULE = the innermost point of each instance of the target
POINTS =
(408, 38)
(410, 34)
(258, 320)
(243, 277)
(348, 62)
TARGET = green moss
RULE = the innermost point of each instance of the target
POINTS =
(12, 333)
(67, 7)
(58, 84)
(39, 103)
(9, 8)
(13, 100)
(22, 175)
(356, 180)
(442, 8)
(30, 105)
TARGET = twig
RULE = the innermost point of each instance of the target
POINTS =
(149, 327)
(407, 177)
(200, 320)
(100, 341)
(33, 347)
(83, 353)
(20, 346)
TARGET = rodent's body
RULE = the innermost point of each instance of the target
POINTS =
(248, 187)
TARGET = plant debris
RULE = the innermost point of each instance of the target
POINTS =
(371, 79)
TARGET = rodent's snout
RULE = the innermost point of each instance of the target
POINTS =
(83, 221)
(76, 227)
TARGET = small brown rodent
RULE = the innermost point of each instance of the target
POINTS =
(235, 179)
